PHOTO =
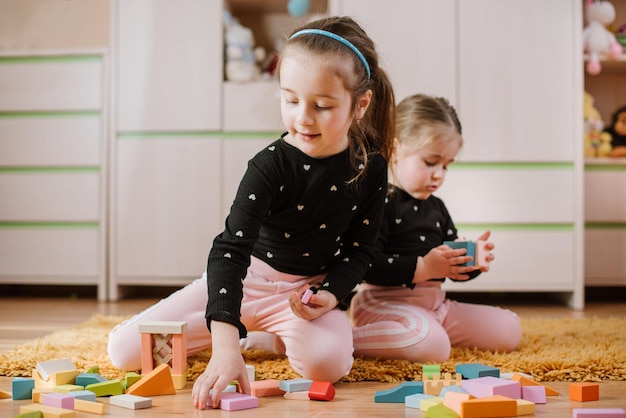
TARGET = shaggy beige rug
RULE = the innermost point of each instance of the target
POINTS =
(591, 349)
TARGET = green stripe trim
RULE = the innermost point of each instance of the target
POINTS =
(198, 134)
(49, 225)
(252, 135)
(517, 227)
(51, 114)
(510, 165)
(31, 59)
(54, 170)
(605, 167)
(605, 225)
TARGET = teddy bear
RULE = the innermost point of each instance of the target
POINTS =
(598, 41)
(597, 143)
(241, 56)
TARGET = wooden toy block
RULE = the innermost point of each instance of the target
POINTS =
(535, 394)
(85, 395)
(398, 393)
(92, 407)
(93, 369)
(480, 257)
(598, 412)
(489, 386)
(524, 381)
(525, 407)
(295, 385)
(108, 388)
(490, 406)
(47, 368)
(157, 382)
(451, 388)
(321, 391)
(414, 401)
(306, 297)
(264, 388)
(234, 401)
(22, 388)
(37, 392)
(297, 396)
(476, 370)
(130, 379)
(426, 404)
(67, 388)
(431, 370)
(453, 400)
(5, 395)
(470, 246)
(131, 401)
(165, 342)
(435, 385)
(251, 372)
(584, 391)
(56, 379)
(58, 400)
(32, 414)
(48, 411)
(440, 411)
(84, 379)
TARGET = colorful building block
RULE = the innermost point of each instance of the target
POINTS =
(251, 372)
(414, 401)
(84, 379)
(435, 385)
(524, 381)
(55, 379)
(130, 379)
(398, 393)
(476, 370)
(440, 411)
(297, 396)
(22, 388)
(470, 246)
(58, 400)
(535, 394)
(32, 414)
(48, 411)
(165, 342)
(263, 388)
(584, 391)
(453, 400)
(157, 382)
(92, 407)
(489, 386)
(37, 392)
(130, 401)
(431, 370)
(598, 412)
(525, 407)
(108, 388)
(67, 388)
(5, 395)
(235, 401)
(321, 391)
(295, 385)
(85, 395)
(47, 368)
(426, 404)
(490, 406)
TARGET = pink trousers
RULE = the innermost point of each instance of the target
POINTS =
(320, 349)
(421, 324)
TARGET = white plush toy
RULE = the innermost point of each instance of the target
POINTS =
(598, 41)
(242, 57)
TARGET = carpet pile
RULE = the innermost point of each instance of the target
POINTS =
(571, 350)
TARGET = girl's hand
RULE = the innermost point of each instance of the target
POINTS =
(225, 366)
(442, 261)
(488, 247)
(320, 303)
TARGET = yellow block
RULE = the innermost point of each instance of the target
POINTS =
(88, 406)
(525, 407)
(48, 411)
(56, 379)
(37, 393)
(427, 403)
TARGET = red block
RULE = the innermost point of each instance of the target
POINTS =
(322, 391)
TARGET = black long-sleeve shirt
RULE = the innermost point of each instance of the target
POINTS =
(299, 215)
(411, 227)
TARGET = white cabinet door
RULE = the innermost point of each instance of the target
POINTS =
(169, 70)
(415, 39)
(518, 78)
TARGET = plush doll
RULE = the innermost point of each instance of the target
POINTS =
(242, 57)
(597, 143)
(617, 131)
(598, 41)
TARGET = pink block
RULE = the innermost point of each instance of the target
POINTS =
(599, 412)
(234, 401)
(58, 400)
(489, 386)
(306, 297)
(536, 394)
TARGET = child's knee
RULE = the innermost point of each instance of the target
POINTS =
(326, 367)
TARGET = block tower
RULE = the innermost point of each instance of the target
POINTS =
(165, 342)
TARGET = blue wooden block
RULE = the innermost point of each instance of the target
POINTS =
(476, 370)
(451, 388)
(399, 393)
(85, 379)
(414, 401)
(85, 395)
(470, 246)
(22, 388)
(295, 385)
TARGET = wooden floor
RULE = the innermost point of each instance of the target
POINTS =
(24, 317)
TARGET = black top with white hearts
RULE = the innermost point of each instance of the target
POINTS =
(410, 229)
(299, 215)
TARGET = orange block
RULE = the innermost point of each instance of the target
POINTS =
(157, 382)
(263, 388)
(524, 381)
(584, 391)
(490, 406)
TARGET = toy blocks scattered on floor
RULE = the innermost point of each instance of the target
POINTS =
(165, 342)
(157, 382)
(598, 413)
(584, 391)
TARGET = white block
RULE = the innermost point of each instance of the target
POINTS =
(130, 401)
(49, 367)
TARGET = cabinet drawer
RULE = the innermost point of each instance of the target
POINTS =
(605, 196)
(50, 141)
(49, 252)
(604, 256)
(525, 260)
(510, 195)
(50, 84)
(37, 196)
(253, 106)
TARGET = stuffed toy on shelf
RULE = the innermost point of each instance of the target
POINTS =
(242, 58)
(599, 42)
(617, 131)
(597, 143)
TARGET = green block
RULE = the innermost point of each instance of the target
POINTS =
(131, 378)
(32, 414)
(431, 369)
(67, 388)
(108, 388)
(470, 246)
(440, 411)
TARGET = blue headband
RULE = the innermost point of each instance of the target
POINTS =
(337, 38)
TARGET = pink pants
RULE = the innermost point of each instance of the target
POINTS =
(421, 324)
(320, 349)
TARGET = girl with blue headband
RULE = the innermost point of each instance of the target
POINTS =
(306, 216)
